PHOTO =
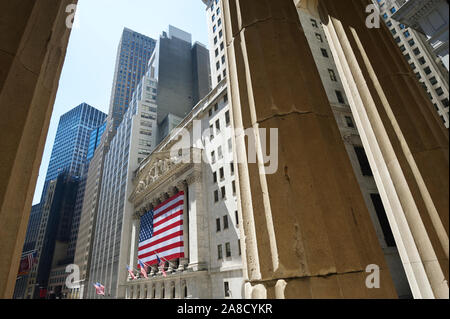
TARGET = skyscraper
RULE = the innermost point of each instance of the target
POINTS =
(133, 54)
(68, 157)
(417, 50)
(72, 141)
(181, 70)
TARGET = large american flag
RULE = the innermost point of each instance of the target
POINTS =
(162, 231)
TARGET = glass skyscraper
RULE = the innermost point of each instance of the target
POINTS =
(133, 54)
(72, 140)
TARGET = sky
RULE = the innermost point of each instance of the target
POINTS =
(88, 71)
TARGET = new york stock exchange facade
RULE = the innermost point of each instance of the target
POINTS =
(211, 266)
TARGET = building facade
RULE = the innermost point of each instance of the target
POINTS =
(430, 18)
(134, 140)
(133, 53)
(421, 57)
(203, 169)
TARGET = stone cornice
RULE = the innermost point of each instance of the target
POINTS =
(163, 170)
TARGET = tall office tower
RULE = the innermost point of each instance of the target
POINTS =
(133, 141)
(430, 18)
(133, 54)
(94, 143)
(72, 140)
(54, 232)
(88, 216)
(331, 81)
(216, 41)
(70, 147)
(182, 74)
(417, 51)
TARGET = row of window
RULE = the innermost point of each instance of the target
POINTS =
(225, 222)
(227, 250)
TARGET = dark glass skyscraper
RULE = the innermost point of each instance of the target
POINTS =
(133, 54)
(72, 140)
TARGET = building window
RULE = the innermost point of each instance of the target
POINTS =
(218, 225)
(225, 98)
(217, 65)
(227, 250)
(218, 126)
(216, 196)
(422, 61)
(319, 37)
(340, 97)
(222, 174)
(225, 222)
(226, 288)
(215, 177)
(324, 52)
(439, 91)
(427, 70)
(219, 252)
(223, 192)
(349, 122)
(233, 185)
(232, 168)
(332, 75)
(314, 23)
(222, 46)
(227, 118)
(363, 161)
(213, 157)
(236, 216)
(239, 247)
(382, 218)
(433, 80)
(416, 51)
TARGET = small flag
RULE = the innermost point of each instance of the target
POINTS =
(99, 289)
(161, 265)
(130, 271)
(143, 270)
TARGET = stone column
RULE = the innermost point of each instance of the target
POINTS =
(406, 142)
(33, 41)
(307, 231)
(198, 225)
(185, 261)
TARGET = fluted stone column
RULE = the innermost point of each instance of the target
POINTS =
(307, 231)
(185, 261)
(33, 41)
(406, 142)
(198, 225)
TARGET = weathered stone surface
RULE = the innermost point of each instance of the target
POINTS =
(308, 220)
(404, 139)
(33, 38)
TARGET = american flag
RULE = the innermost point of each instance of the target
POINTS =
(99, 289)
(130, 271)
(143, 270)
(162, 231)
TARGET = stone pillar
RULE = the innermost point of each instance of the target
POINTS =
(33, 41)
(307, 231)
(405, 141)
(183, 186)
(198, 225)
